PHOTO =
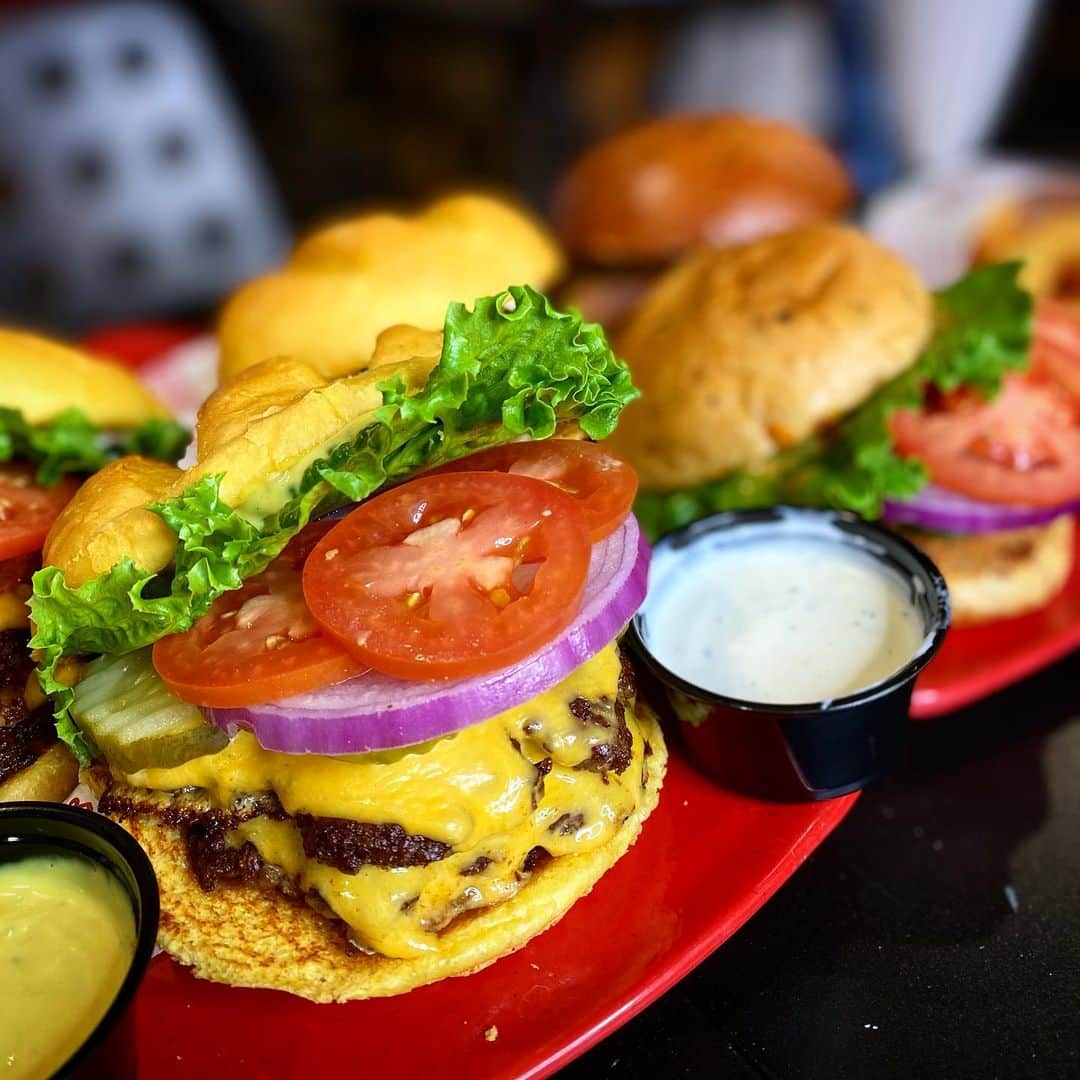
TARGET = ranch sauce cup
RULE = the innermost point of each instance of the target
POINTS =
(788, 641)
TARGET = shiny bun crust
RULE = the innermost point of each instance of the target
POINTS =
(660, 189)
(346, 283)
(246, 936)
(42, 378)
(1000, 574)
(272, 419)
(749, 350)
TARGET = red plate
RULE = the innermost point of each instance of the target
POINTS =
(706, 860)
(980, 660)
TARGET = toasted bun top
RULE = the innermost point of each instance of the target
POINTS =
(1043, 233)
(271, 420)
(749, 350)
(42, 378)
(346, 283)
(656, 191)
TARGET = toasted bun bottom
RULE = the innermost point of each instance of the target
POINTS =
(247, 937)
(1004, 573)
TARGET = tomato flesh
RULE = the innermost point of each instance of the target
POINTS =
(258, 643)
(1055, 353)
(603, 483)
(1021, 448)
(27, 510)
(451, 575)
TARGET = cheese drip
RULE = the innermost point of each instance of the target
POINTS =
(478, 791)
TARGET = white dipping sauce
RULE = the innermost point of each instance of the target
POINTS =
(781, 619)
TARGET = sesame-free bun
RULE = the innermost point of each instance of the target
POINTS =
(660, 189)
(346, 283)
(745, 351)
(246, 936)
(42, 378)
(257, 430)
(999, 574)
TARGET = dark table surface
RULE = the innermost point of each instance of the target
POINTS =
(935, 933)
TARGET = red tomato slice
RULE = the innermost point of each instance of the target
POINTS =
(604, 484)
(1023, 447)
(451, 575)
(258, 643)
(28, 510)
(1055, 352)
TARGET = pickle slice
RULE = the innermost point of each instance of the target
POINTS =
(136, 721)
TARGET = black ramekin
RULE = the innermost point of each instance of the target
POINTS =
(816, 750)
(34, 828)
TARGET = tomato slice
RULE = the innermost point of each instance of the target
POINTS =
(1055, 352)
(1023, 447)
(604, 484)
(451, 575)
(258, 643)
(27, 510)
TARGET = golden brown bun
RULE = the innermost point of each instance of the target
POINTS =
(271, 419)
(107, 519)
(1044, 233)
(1004, 573)
(247, 937)
(660, 189)
(42, 378)
(51, 778)
(743, 352)
(346, 283)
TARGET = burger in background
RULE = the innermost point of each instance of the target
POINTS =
(813, 368)
(629, 207)
(1041, 230)
(65, 414)
(350, 280)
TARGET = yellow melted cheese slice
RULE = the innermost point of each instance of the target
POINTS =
(477, 791)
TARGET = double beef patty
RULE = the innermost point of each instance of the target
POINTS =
(344, 844)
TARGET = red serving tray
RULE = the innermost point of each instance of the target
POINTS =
(706, 860)
(980, 660)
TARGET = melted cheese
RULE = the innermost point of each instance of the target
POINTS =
(476, 791)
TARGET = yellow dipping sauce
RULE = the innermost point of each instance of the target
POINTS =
(67, 939)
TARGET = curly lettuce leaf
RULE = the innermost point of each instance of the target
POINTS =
(512, 367)
(70, 443)
(982, 330)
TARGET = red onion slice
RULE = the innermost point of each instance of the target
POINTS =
(379, 712)
(939, 510)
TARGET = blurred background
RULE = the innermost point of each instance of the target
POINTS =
(153, 155)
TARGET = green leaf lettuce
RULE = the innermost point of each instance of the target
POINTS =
(511, 367)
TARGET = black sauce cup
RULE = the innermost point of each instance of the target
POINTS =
(820, 749)
(39, 828)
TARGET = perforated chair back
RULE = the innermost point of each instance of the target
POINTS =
(128, 184)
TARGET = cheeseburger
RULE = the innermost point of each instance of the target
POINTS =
(353, 679)
(812, 367)
(64, 415)
(630, 206)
